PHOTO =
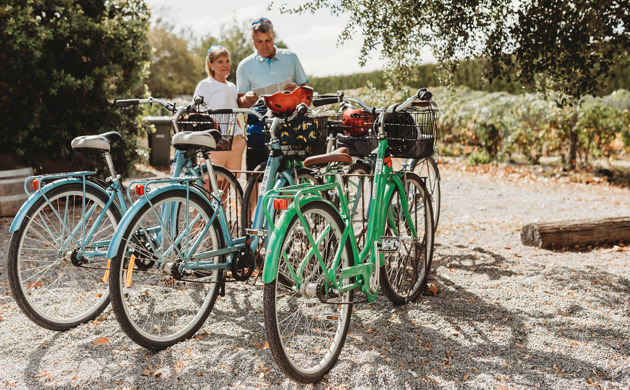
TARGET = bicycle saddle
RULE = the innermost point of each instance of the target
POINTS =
(99, 142)
(340, 156)
(285, 102)
(206, 139)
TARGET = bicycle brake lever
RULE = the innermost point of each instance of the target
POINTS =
(300, 110)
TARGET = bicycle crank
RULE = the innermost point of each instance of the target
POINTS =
(243, 264)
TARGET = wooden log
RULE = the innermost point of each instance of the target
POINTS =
(580, 233)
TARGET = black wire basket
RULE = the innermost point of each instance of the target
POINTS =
(411, 133)
(226, 123)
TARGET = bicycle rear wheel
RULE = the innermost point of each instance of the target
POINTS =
(156, 301)
(403, 275)
(57, 259)
(232, 197)
(305, 321)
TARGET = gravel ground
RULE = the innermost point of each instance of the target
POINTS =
(500, 315)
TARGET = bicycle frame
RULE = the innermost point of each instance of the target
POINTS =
(386, 181)
(271, 179)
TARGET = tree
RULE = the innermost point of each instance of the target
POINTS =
(564, 45)
(174, 68)
(63, 63)
(237, 39)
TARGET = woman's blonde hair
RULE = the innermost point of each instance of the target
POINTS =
(214, 52)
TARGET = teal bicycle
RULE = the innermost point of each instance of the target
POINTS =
(57, 264)
(173, 251)
(314, 267)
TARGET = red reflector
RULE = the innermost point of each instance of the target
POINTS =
(280, 204)
(36, 184)
(248, 241)
(140, 189)
(388, 161)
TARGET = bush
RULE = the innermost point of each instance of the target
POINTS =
(503, 124)
(63, 63)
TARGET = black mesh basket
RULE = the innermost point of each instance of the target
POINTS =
(226, 123)
(410, 134)
(304, 136)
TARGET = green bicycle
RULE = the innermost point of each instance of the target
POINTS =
(314, 266)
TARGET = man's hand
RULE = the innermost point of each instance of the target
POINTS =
(248, 99)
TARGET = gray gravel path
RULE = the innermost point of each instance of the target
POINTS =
(504, 315)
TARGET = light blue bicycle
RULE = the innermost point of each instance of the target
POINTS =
(57, 263)
(173, 251)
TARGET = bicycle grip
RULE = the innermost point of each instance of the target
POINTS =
(322, 100)
(423, 94)
(126, 102)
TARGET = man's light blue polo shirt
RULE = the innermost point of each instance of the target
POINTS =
(256, 71)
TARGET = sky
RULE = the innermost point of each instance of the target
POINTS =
(313, 37)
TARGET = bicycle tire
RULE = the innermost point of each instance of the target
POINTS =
(312, 346)
(359, 195)
(48, 287)
(232, 198)
(250, 199)
(429, 169)
(155, 307)
(404, 273)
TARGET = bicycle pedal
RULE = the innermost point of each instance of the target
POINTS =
(389, 244)
(256, 232)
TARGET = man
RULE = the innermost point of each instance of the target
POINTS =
(267, 65)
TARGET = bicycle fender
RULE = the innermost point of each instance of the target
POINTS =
(270, 267)
(135, 208)
(21, 214)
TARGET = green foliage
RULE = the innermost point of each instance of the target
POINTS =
(503, 125)
(63, 63)
(558, 45)
(174, 68)
(479, 157)
(469, 73)
(332, 84)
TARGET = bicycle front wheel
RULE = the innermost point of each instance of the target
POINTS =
(57, 258)
(305, 320)
(404, 274)
(157, 299)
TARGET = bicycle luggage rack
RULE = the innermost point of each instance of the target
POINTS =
(41, 179)
(147, 183)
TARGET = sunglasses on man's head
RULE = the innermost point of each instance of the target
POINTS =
(261, 20)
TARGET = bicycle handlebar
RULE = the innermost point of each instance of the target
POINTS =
(322, 100)
(422, 95)
(150, 100)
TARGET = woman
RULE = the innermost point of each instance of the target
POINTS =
(217, 92)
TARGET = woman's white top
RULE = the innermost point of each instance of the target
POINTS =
(220, 95)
